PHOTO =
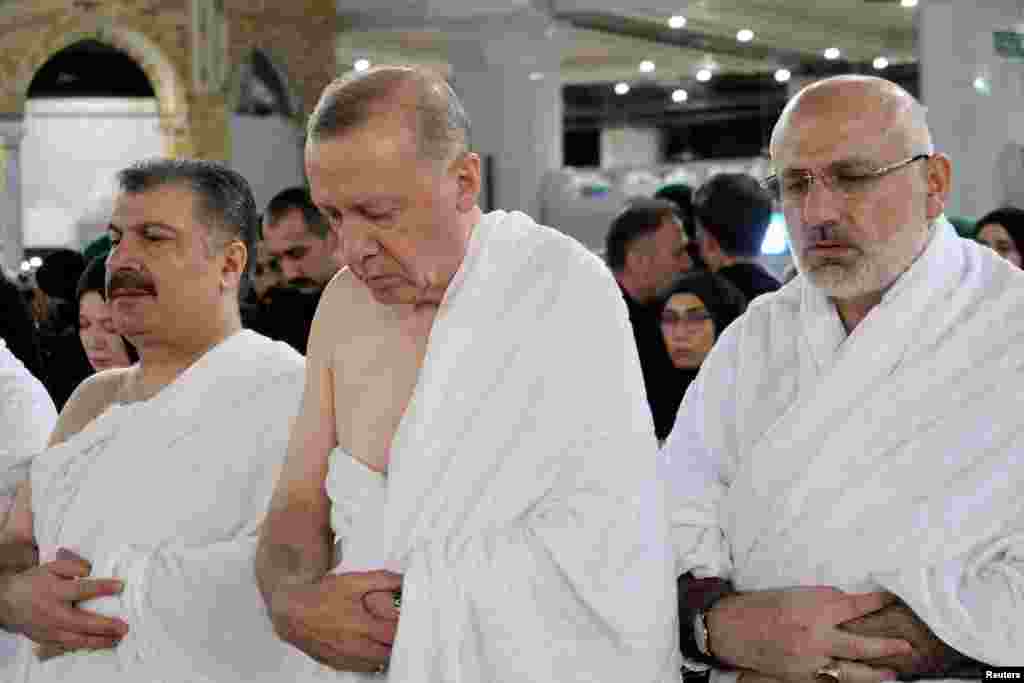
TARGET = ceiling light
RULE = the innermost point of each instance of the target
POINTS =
(677, 21)
(982, 85)
(908, 3)
(782, 75)
(744, 35)
(704, 75)
(646, 66)
(621, 88)
(361, 64)
(25, 267)
(35, 261)
(880, 63)
(832, 53)
(679, 95)
(536, 76)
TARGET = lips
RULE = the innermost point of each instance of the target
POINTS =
(124, 292)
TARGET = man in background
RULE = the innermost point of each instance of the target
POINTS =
(733, 212)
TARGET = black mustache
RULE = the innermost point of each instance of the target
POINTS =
(130, 280)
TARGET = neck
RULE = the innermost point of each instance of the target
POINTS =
(637, 292)
(853, 311)
(161, 362)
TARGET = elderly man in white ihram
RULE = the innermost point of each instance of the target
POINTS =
(851, 456)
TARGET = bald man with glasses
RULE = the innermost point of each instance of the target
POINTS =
(845, 472)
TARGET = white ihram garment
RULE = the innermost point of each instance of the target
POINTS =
(521, 504)
(890, 459)
(167, 495)
(27, 417)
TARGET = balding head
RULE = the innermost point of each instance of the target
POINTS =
(881, 105)
(426, 104)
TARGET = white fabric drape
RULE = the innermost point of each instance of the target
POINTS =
(27, 417)
(892, 459)
(167, 495)
(521, 503)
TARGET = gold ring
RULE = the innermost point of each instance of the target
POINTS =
(831, 671)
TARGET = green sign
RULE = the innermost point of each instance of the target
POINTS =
(1009, 45)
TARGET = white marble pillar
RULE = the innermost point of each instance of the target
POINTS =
(505, 68)
(975, 99)
(11, 238)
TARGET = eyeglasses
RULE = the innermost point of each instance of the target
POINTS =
(689, 319)
(794, 187)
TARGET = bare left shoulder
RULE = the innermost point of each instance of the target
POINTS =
(93, 396)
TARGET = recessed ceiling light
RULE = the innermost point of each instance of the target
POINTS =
(679, 95)
(782, 75)
(880, 63)
(361, 64)
(646, 66)
(908, 3)
(832, 53)
(744, 35)
(704, 75)
(621, 88)
(678, 21)
(536, 76)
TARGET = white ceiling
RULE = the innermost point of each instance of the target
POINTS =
(607, 39)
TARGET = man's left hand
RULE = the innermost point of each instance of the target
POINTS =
(930, 655)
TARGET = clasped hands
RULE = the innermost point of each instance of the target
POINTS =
(344, 621)
(789, 634)
(42, 604)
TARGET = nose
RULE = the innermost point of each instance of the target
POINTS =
(820, 204)
(290, 268)
(357, 245)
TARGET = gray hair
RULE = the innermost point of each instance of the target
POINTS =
(437, 116)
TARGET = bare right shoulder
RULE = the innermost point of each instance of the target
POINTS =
(93, 396)
(346, 309)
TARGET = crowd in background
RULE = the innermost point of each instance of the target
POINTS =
(686, 261)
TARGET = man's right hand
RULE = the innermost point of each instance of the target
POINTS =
(40, 604)
(330, 620)
(790, 633)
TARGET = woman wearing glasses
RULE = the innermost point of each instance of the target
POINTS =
(695, 310)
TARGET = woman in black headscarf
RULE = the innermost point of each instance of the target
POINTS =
(1003, 231)
(695, 310)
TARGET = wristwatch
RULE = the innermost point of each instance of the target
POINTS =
(696, 598)
(701, 634)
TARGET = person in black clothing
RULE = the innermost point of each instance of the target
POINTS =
(64, 360)
(17, 328)
(646, 250)
(300, 247)
(681, 195)
(694, 311)
(733, 212)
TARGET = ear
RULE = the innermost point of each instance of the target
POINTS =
(235, 256)
(467, 175)
(940, 178)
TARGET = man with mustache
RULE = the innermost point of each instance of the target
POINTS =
(465, 498)
(128, 553)
(848, 462)
(301, 249)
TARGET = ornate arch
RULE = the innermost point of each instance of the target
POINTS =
(167, 83)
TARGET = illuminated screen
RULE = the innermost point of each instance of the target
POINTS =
(775, 241)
